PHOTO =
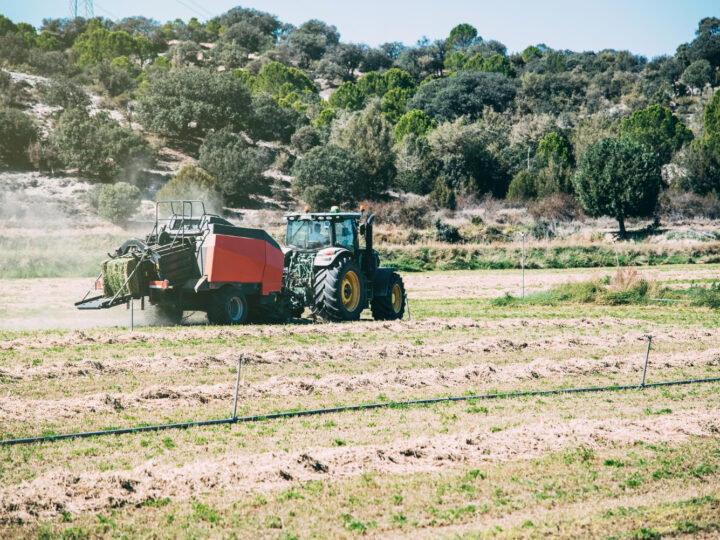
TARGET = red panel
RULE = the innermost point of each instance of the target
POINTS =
(235, 259)
(274, 264)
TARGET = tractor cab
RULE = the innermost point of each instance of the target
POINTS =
(310, 232)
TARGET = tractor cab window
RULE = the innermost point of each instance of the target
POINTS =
(345, 234)
(308, 234)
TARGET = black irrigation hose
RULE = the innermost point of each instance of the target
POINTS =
(311, 412)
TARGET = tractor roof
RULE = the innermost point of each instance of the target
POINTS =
(322, 216)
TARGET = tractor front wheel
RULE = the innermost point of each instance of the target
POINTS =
(391, 306)
(339, 291)
(227, 306)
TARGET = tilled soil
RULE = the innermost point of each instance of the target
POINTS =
(58, 490)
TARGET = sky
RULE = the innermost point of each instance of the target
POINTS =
(647, 27)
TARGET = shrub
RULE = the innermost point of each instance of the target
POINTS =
(62, 93)
(191, 182)
(118, 202)
(443, 195)
(97, 145)
(271, 122)
(445, 232)
(237, 166)
(329, 175)
(414, 121)
(305, 138)
(413, 213)
(191, 101)
(17, 132)
(555, 208)
(523, 186)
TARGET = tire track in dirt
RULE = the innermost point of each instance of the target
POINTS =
(81, 338)
(433, 380)
(57, 491)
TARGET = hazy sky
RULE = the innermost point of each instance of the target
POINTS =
(648, 27)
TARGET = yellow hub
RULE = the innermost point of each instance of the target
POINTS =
(350, 291)
(397, 298)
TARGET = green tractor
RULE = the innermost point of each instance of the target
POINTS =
(328, 270)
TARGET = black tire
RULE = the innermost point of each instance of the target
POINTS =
(390, 307)
(339, 291)
(228, 306)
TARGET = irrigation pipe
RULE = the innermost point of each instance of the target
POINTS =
(386, 404)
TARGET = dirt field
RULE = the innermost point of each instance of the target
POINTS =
(632, 464)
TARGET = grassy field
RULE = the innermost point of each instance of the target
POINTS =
(634, 464)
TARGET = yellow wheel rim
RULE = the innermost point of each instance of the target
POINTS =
(351, 291)
(397, 298)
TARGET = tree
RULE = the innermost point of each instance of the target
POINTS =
(498, 63)
(711, 119)
(190, 183)
(397, 78)
(523, 186)
(311, 40)
(368, 136)
(341, 60)
(372, 84)
(118, 202)
(462, 37)
(555, 146)
(327, 176)
(531, 53)
(697, 74)
(467, 93)
(271, 122)
(659, 129)
(305, 138)
(416, 122)
(17, 132)
(237, 166)
(97, 145)
(417, 167)
(190, 101)
(394, 103)
(347, 96)
(701, 164)
(619, 178)
(279, 80)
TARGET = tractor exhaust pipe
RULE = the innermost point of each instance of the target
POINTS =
(369, 233)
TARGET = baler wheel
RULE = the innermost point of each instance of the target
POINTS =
(339, 291)
(391, 306)
(228, 306)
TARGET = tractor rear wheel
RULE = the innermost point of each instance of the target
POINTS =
(339, 291)
(227, 306)
(391, 306)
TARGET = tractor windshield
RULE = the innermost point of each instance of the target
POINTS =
(308, 234)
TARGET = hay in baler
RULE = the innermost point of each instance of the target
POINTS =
(116, 271)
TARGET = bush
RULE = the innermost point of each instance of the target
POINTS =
(97, 145)
(62, 93)
(443, 194)
(416, 122)
(271, 122)
(329, 175)
(191, 182)
(17, 133)
(446, 233)
(305, 138)
(191, 101)
(414, 214)
(555, 208)
(523, 186)
(118, 202)
(237, 166)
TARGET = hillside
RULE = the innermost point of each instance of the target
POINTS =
(270, 116)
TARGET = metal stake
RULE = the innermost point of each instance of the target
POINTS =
(407, 305)
(237, 387)
(523, 264)
(132, 315)
(647, 355)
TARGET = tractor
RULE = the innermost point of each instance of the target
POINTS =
(327, 270)
(192, 260)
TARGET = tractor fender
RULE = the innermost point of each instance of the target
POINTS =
(327, 256)
(381, 281)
